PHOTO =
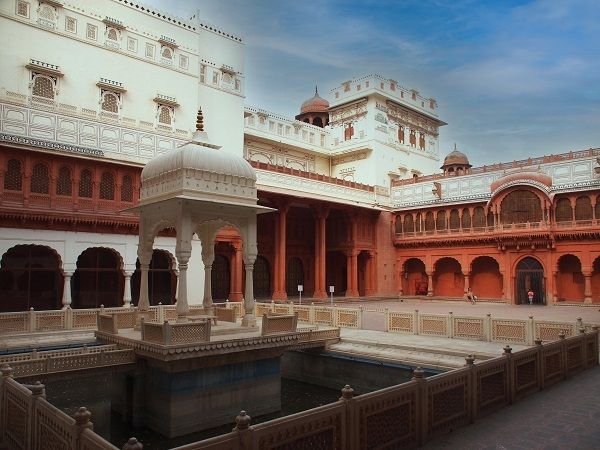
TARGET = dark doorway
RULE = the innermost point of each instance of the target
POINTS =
(220, 278)
(530, 275)
(262, 278)
(162, 281)
(98, 279)
(30, 278)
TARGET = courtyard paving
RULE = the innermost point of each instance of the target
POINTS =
(564, 416)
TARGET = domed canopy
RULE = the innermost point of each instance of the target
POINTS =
(315, 104)
(456, 158)
(198, 169)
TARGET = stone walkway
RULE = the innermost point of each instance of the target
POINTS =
(564, 416)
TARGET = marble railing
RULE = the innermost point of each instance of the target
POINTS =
(421, 409)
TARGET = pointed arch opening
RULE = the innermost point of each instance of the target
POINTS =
(570, 280)
(486, 279)
(98, 280)
(162, 280)
(414, 277)
(529, 275)
(448, 279)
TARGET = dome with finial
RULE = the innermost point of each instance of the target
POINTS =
(456, 159)
(315, 104)
(199, 169)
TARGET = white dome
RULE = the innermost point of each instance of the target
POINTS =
(200, 170)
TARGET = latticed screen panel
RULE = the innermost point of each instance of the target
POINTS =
(441, 220)
(110, 102)
(64, 185)
(521, 207)
(85, 184)
(429, 222)
(40, 180)
(13, 179)
(165, 115)
(398, 225)
(107, 186)
(127, 189)
(583, 208)
(112, 34)
(454, 219)
(43, 87)
(478, 217)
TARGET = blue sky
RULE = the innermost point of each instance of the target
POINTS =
(512, 78)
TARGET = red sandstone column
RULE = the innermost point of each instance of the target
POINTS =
(320, 253)
(351, 274)
(466, 275)
(429, 284)
(279, 292)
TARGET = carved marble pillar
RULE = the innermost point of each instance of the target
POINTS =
(182, 308)
(66, 300)
(588, 288)
(208, 257)
(250, 253)
(127, 290)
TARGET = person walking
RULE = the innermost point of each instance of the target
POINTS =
(530, 295)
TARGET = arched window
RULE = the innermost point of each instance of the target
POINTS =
(63, 185)
(127, 189)
(409, 224)
(418, 221)
(47, 15)
(478, 217)
(441, 220)
(110, 102)
(13, 179)
(563, 212)
(348, 131)
(398, 225)
(30, 277)
(401, 134)
(413, 138)
(98, 279)
(466, 218)
(107, 186)
(454, 220)
(40, 180)
(422, 141)
(490, 218)
(583, 208)
(165, 115)
(521, 206)
(429, 221)
(43, 86)
(85, 184)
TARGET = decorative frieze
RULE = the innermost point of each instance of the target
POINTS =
(348, 113)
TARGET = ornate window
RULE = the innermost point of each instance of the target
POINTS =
(564, 212)
(215, 77)
(429, 221)
(85, 184)
(401, 134)
(202, 73)
(422, 141)
(113, 36)
(47, 15)
(22, 9)
(521, 206)
(478, 217)
(583, 208)
(166, 54)
(110, 101)
(43, 86)
(92, 32)
(127, 189)
(64, 185)
(70, 24)
(441, 220)
(107, 186)
(413, 138)
(454, 220)
(165, 114)
(13, 178)
(466, 218)
(409, 225)
(348, 131)
(40, 180)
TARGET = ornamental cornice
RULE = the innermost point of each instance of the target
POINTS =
(348, 113)
(445, 201)
(40, 143)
